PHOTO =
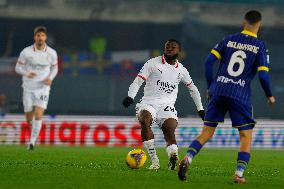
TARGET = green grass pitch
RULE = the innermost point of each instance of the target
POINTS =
(103, 168)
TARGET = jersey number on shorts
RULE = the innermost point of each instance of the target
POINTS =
(168, 108)
(44, 98)
(237, 58)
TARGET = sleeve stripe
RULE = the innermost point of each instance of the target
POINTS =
(20, 62)
(263, 68)
(142, 77)
(216, 53)
(189, 84)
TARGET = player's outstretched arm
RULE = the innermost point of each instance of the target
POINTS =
(209, 68)
(195, 95)
(265, 84)
(132, 91)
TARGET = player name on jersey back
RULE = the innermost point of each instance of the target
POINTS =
(243, 46)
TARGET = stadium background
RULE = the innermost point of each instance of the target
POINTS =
(102, 45)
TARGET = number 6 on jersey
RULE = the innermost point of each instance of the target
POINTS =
(237, 58)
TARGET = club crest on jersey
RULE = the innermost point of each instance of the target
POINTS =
(166, 86)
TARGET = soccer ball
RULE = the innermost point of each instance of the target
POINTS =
(136, 158)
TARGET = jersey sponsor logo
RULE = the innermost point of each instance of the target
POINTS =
(224, 79)
(242, 46)
(37, 67)
(166, 86)
(160, 71)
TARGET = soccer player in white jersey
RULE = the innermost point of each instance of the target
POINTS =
(162, 75)
(38, 66)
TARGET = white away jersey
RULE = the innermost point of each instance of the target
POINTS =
(39, 62)
(162, 80)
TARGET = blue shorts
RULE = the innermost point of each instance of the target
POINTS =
(240, 113)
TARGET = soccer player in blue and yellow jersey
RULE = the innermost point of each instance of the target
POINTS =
(240, 56)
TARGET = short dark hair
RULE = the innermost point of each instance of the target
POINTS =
(40, 29)
(253, 17)
(174, 40)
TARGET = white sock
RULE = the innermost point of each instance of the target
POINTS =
(150, 146)
(240, 173)
(173, 148)
(189, 159)
(36, 127)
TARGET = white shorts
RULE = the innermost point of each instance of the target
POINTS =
(35, 98)
(160, 113)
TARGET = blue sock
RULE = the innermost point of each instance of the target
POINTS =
(242, 163)
(194, 148)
